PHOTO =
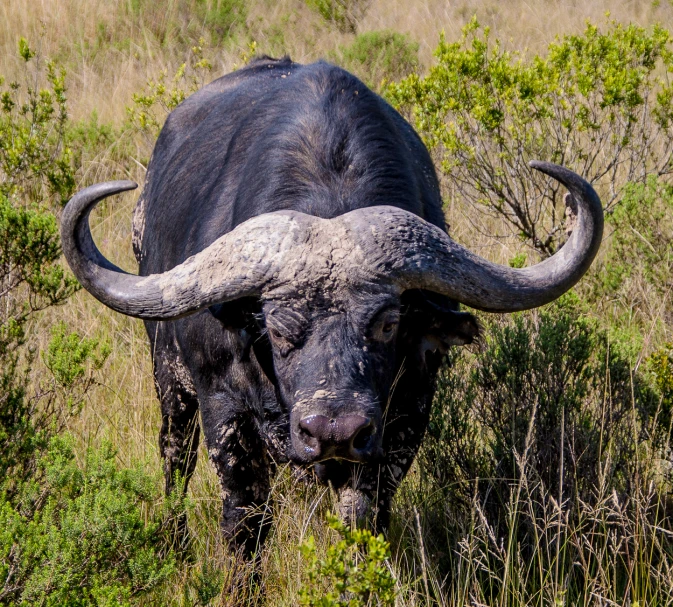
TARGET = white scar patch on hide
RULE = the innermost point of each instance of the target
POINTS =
(320, 394)
(183, 376)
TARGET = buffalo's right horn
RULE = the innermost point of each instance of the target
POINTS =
(419, 255)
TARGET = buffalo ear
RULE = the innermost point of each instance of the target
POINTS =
(453, 329)
(434, 322)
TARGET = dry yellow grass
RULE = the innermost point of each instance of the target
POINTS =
(110, 52)
(109, 56)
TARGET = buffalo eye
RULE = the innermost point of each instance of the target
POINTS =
(384, 325)
(281, 343)
(286, 329)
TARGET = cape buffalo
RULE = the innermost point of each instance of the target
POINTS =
(298, 285)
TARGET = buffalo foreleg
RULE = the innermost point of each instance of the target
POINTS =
(179, 434)
(244, 469)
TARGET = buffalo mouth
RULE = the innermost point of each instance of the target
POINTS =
(333, 472)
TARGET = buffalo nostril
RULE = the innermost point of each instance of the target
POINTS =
(361, 440)
(315, 426)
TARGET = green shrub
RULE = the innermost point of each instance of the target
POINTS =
(35, 168)
(31, 280)
(354, 572)
(34, 160)
(550, 384)
(33, 165)
(546, 452)
(70, 534)
(595, 103)
(382, 56)
(518, 261)
(660, 365)
(73, 362)
(79, 534)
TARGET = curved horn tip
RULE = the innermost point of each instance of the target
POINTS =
(557, 171)
(122, 185)
(93, 194)
(128, 184)
(544, 167)
(85, 199)
(578, 186)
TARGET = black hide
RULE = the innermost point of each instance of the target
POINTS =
(278, 135)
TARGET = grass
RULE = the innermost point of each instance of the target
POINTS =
(110, 49)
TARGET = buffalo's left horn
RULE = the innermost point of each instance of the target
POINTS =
(418, 255)
(239, 264)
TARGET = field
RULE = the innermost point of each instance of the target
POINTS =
(548, 482)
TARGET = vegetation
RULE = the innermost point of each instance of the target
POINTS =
(548, 437)
(355, 569)
(77, 534)
(70, 533)
(150, 109)
(638, 266)
(546, 477)
(33, 163)
(34, 159)
(595, 102)
(378, 57)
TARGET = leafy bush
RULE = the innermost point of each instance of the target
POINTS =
(354, 573)
(660, 365)
(73, 362)
(78, 534)
(344, 14)
(552, 385)
(31, 279)
(33, 164)
(69, 534)
(380, 56)
(41, 149)
(595, 103)
(34, 160)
